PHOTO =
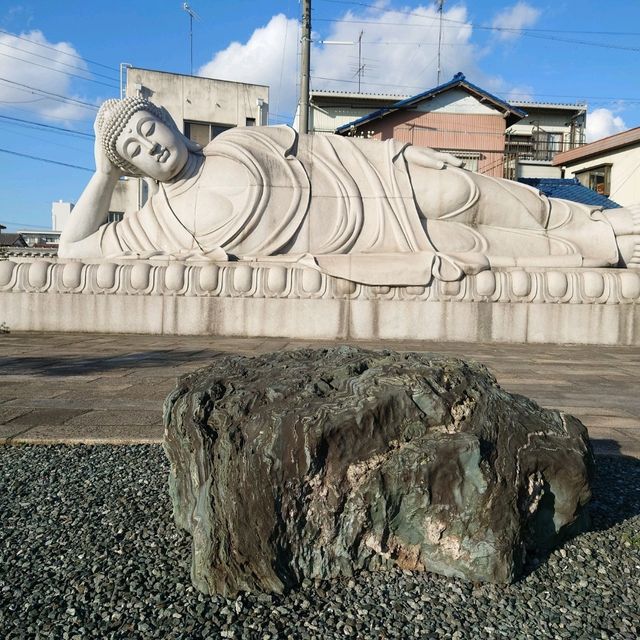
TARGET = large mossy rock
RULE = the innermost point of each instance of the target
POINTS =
(319, 462)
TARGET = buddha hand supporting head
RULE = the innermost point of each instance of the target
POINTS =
(141, 139)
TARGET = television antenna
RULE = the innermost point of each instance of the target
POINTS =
(360, 69)
(192, 14)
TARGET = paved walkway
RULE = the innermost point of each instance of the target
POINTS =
(92, 388)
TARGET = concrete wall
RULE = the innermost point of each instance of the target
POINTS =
(625, 173)
(537, 169)
(60, 212)
(328, 119)
(201, 99)
(126, 195)
(190, 98)
(587, 306)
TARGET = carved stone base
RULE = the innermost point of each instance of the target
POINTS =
(271, 299)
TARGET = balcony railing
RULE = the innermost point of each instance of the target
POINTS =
(542, 150)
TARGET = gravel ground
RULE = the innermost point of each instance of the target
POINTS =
(89, 550)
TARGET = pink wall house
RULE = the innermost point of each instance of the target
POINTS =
(457, 117)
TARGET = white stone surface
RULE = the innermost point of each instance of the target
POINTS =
(271, 299)
(268, 233)
(401, 215)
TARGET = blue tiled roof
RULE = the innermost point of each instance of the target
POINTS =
(569, 189)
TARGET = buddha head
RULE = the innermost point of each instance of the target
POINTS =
(142, 139)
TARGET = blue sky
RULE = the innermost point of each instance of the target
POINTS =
(554, 51)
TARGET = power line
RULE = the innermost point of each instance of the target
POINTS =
(22, 225)
(523, 33)
(58, 62)
(483, 27)
(66, 73)
(56, 96)
(21, 101)
(603, 99)
(37, 135)
(62, 164)
(65, 53)
(33, 124)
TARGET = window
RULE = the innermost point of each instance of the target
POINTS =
(471, 159)
(519, 145)
(217, 129)
(554, 143)
(115, 216)
(204, 132)
(198, 132)
(250, 122)
(597, 178)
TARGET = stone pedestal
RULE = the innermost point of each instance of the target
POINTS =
(318, 463)
(290, 300)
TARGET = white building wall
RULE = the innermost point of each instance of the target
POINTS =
(194, 99)
(535, 169)
(327, 120)
(625, 173)
(60, 212)
(201, 99)
(455, 101)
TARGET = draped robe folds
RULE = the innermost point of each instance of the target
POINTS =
(350, 205)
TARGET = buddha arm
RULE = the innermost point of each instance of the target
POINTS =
(78, 238)
(90, 212)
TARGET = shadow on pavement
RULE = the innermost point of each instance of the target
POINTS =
(77, 365)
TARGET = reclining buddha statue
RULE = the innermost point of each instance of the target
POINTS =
(381, 213)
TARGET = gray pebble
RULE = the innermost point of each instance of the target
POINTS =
(89, 549)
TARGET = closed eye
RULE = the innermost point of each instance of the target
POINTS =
(133, 149)
(150, 129)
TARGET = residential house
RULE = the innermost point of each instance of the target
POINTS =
(40, 238)
(10, 240)
(546, 130)
(444, 117)
(457, 116)
(329, 110)
(610, 166)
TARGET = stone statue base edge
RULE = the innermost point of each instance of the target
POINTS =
(271, 299)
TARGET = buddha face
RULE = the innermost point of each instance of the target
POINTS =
(152, 147)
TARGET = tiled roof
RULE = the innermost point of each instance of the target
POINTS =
(569, 189)
(513, 114)
(572, 106)
(322, 93)
(12, 240)
(616, 141)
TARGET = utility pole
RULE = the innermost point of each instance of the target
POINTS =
(360, 67)
(305, 66)
(192, 15)
(440, 5)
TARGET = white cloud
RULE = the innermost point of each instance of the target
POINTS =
(519, 16)
(602, 123)
(25, 62)
(399, 51)
(399, 54)
(268, 57)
